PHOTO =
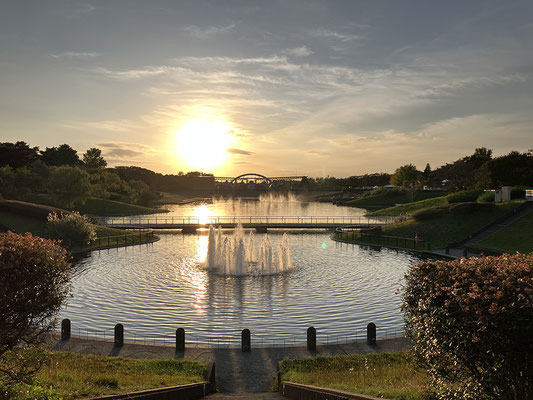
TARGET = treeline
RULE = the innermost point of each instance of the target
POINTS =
(57, 176)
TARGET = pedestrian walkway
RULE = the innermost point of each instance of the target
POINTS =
(236, 371)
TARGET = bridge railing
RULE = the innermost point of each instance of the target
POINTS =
(267, 220)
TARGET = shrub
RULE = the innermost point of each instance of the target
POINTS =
(385, 192)
(464, 196)
(71, 228)
(471, 321)
(429, 213)
(486, 197)
(35, 282)
(375, 230)
(469, 208)
(518, 192)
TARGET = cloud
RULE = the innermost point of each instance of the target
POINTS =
(124, 150)
(75, 54)
(239, 151)
(302, 51)
(343, 37)
(204, 33)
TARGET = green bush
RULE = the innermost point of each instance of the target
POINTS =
(71, 228)
(471, 322)
(518, 192)
(429, 213)
(486, 197)
(385, 192)
(464, 196)
(375, 230)
(469, 208)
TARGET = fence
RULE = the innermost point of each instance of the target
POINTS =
(131, 238)
(347, 234)
(245, 339)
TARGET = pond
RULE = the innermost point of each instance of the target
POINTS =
(154, 289)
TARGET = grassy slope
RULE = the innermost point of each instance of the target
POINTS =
(514, 237)
(410, 208)
(71, 375)
(388, 200)
(391, 375)
(110, 208)
(448, 228)
(22, 224)
(171, 198)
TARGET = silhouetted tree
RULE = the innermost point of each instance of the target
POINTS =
(17, 154)
(93, 159)
(62, 155)
(69, 185)
(406, 175)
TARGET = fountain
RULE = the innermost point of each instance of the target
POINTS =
(230, 255)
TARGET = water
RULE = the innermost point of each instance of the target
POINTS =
(154, 289)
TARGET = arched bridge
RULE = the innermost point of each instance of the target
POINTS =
(255, 177)
(261, 224)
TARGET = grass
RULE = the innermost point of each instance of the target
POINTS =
(514, 237)
(22, 224)
(112, 208)
(67, 375)
(410, 208)
(384, 198)
(442, 230)
(171, 198)
(391, 375)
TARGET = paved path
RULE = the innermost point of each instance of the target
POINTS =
(236, 372)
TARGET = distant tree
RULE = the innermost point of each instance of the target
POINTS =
(62, 155)
(139, 192)
(69, 185)
(93, 159)
(7, 181)
(406, 175)
(103, 182)
(513, 169)
(17, 154)
(35, 282)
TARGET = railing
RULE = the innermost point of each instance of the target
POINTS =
(352, 235)
(132, 238)
(216, 220)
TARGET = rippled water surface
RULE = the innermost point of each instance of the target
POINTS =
(154, 289)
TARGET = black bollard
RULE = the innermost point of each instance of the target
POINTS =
(65, 329)
(465, 253)
(311, 338)
(246, 345)
(447, 250)
(371, 334)
(180, 339)
(119, 335)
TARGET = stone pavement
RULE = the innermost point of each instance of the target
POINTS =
(236, 371)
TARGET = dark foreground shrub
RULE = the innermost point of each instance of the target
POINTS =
(429, 213)
(464, 196)
(518, 192)
(486, 197)
(469, 208)
(471, 321)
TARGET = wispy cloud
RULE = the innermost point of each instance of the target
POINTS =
(302, 51)
(210, 31)
(76, 54)
(123, 150)
(343, 37)
(240, 152)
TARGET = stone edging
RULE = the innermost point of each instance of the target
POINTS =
(298, 391)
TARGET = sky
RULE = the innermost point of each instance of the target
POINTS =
(280, 88)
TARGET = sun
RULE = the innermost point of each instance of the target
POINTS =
(203, 144)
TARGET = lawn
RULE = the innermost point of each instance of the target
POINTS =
(171, 198)
(514, 237)
(67, 375)
(383, 198)
(390, 375)
(410, 208)
(110, 208)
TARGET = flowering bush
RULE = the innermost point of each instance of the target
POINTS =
(471, 321)
(34, 282)
(71, 228)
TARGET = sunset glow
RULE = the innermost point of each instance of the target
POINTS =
(202, 144)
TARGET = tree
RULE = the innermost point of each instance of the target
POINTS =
(62, 155)
(471, 322)
(406, 175)
(93, 159)
(139, 192)
(17, 154)
(103, 182)
(69, 185)
(35, 282)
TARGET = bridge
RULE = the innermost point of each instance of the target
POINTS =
(254, 177)
(259, 223)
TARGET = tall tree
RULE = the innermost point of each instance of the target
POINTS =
(69, 185)
(406, 175)
(17, 154)
(93, 159)
(62, 155)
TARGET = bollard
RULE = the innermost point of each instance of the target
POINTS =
(311, 338)
(119, 335)
(180, 339)
(465, 253)
(447, 250)
(371, 334)
(65, 329)
(246, 345)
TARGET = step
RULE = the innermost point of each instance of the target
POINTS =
(258, 396)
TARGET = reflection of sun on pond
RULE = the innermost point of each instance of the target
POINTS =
(201, 250)
(202, 144)
(203, 213)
